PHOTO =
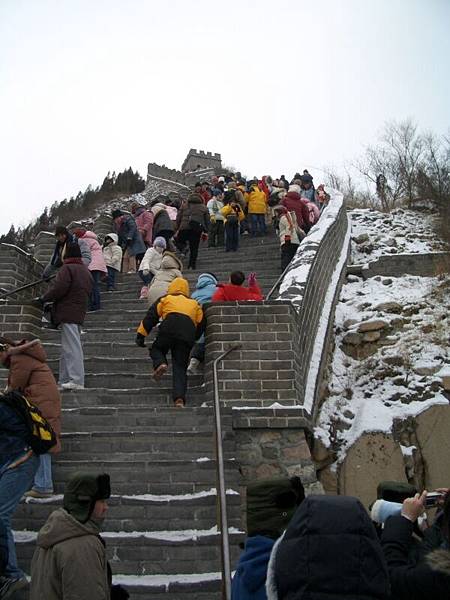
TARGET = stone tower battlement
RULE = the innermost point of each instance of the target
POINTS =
(199, 160)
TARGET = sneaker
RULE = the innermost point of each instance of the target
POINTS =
(160, 371)
(71, 385)
(9, 586)
(37, 494)
(193, 366)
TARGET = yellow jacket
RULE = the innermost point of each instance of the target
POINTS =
(229, 210)
(256, 201)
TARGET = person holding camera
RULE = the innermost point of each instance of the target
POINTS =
(430, 577)
(233, 214)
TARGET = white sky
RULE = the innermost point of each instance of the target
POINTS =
(88, 86)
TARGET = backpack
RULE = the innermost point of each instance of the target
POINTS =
(41, 435)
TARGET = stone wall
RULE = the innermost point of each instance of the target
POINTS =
(18, 268)
(396, 265)
(199, 159)
(313, 283)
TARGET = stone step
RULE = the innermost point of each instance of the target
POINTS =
(106, 417)
(140, 553)
(147, 397)
(141, 513)
(134, 380)
(101, 349)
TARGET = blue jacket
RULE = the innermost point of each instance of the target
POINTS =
(206, 286)
(3, 549)
(250, 577)
(130, 237)
(13, 434)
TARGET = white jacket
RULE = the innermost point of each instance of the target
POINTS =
(214, 207)
(171, 267)
(286, 229)
(151, 261)
(113, 253)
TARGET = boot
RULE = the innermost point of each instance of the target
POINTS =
(193, 366)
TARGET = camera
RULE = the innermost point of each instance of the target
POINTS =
(432, 499)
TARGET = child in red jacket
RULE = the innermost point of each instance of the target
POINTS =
(235, 291)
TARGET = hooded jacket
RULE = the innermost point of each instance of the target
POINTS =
(29, 373)
(97, 260)
(152, 261)
(250, 577)
(112, 253)
(69, 562)
(70, 292)
(329, 551)
(229, 292)
(161, 220)
(256, 201)
(428, 580)
(129, 235)
(206, 286)
(171, 268)
(194, 211)
(57, 258)
(181, 316)
(144, 222)
(293, 202)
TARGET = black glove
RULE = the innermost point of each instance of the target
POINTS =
(119, 593)
(140, 340)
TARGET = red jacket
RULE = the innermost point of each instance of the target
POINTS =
(228, 292)
(293, 202)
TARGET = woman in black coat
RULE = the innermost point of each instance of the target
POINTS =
(330, 551)
(430, 578)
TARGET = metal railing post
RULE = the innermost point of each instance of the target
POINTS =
(25, 287)
(222, 492)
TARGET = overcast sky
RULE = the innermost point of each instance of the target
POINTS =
(90, 86)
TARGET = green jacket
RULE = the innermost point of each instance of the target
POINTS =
(69, 562)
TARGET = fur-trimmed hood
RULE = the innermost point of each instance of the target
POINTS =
(33, 349)
(439, 560)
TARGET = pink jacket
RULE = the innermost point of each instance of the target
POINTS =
(314, 212)
(97, 260)
(144, 222)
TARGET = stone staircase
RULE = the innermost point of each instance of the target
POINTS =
(161, 529)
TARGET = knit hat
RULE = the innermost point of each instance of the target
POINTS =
(295, 188)
(160, 241)
(72, 251)
(271, 504)
(117, 213)
(306, 178)
(81, 493)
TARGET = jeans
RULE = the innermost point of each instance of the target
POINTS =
(13, 484)
(111, 279)
(216, 234)
(146, 279)
(43, 481)
(71, 361)
(198, 351)
(95, 294)
(288, 250)
(257, 224)
(193, 237)
(180, 351)
(232, 237)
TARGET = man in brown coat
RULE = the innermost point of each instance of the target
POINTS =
(192, 222)
(30, 374)
(70, 294)
(69, 562)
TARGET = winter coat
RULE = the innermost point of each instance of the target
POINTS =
(69, 561)
(144, 222)
(14, 434)
(129, 235)
(294, 203)
(171, 268)
(162, 221)
(59, 252)
(286, 228)
(97, 260)
(329, 551)
(29, 373)
(256, 201)
(429, 579)
(206, 286)
(314, 212)
(194, 211)
(151, 261)
(181, 317)
(230, 210)
(70, 292)
(214, 207)
(112, 253)
(228, 292)
(249, 581)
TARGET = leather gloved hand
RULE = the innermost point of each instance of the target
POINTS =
(119, 593)
(140, 340)
(252, 279)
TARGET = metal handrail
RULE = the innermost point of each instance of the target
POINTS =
(222, 492)
(26, 286)
(277, 282)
